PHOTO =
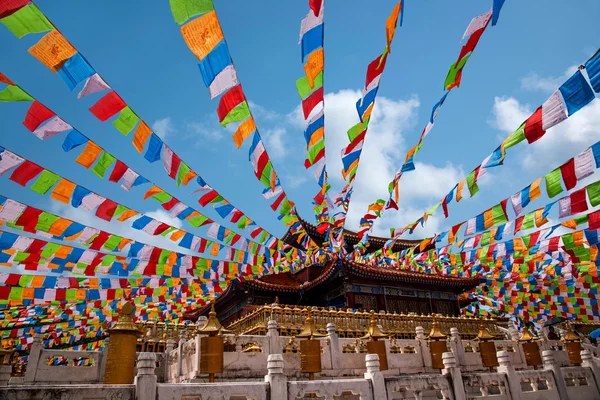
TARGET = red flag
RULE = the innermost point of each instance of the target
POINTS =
(37, 114)
(230, 100)
(108, 106)
(118, 171)
(533, 126)
(25, 172)
(312, 101)
(567, 170)
(106, 210)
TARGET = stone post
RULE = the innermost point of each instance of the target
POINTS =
(34, 357)
(334, 346)
(423, 348)
(452, 371)
(5, 366)
(514, 334)
(505, 367)
(145, 380)
(273, 335)
(180, 354)
(375, 376)
(275, 377)
(104, 356)
(170, 348)
(457, 347)
(587, 361)
(550, 365)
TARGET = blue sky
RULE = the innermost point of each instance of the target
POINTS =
(138, 49)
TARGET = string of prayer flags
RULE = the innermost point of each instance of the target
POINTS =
(60, 56)
(474, 31)
(104, 208)
(204, 37)
(356, 135)
(571, 96)
(311, 91)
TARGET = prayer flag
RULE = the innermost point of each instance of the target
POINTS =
(553, 111)
(105, 161)
(25, 172)
(8, 7)
(576, 92)
(224, 80)
(36, 114)
(74, 139)
(94, 84)
(53, 127)
(592, 67)
(8, 161)
(304, 88)
(27, 19)
(243, 131)
(185, 9)
(45, 181)
(390, 25)
(496, 7)
(309, 104)
(239, 113)
(108, 106)
(75, 70)
(53, 50)
(216, 61)
(14, 93)
(89, 154)
(314, 66)
(63, 191)
(126, 121)
(533, 130)
(312, 40)
(140, 136)
(230, 100)
(553, 186)
(202, 34)
(154, 148)
(118, 171)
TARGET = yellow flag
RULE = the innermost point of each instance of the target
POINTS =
(315, 63)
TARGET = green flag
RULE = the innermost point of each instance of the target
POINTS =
(162, 197)
(14, 93)
(185, 9)
(197, 221)
(126, 121)
(593, 191)
(112, 242)
(516, 137)
(183, 171)
(45, 221)
(104, 162)
(357, 129)
(45, 181)
(239, 113)
(314, 151)
(453, 71)
(304, 88)
(498, 214)
(50, 249)
(553, 186)
(471, 184)
(28, 19)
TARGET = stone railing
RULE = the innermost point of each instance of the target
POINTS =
(246, 356)
(62, 366)
(551, 382)
(353, 324)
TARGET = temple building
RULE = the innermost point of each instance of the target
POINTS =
(345, 284)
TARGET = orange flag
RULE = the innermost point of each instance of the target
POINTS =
(53, 50)
(245, 129)
(202, 34)
(140, 136)
(89, 154)
(390, 25)
(314, 65)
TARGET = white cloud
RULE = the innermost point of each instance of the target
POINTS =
(383, 153)
(534, 82)
(274, 142)
(508, 113)
(561, 142)
(163, 127)
(261, 112)
(295, 181)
